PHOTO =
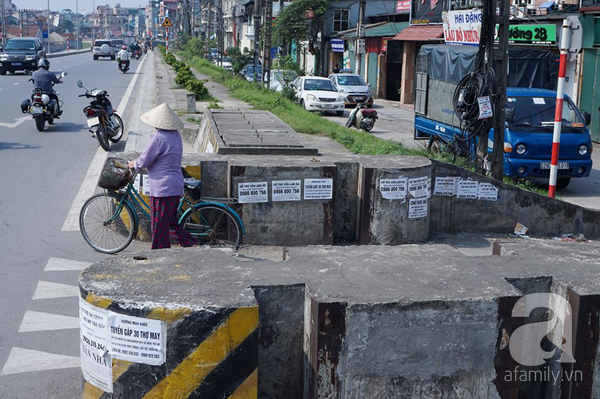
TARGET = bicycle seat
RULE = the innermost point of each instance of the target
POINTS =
(192, 184)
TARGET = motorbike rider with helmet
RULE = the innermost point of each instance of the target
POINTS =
(123, 56)
(43, 79)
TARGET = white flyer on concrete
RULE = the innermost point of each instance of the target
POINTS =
(417, 208)
(318, 189)
(393, 188)
(96, 362)
(145, 185)
(487, 192)
(467, 189)
(286, 190)
(444, 186)
(252, 192)
(419, 187)
(136, 339)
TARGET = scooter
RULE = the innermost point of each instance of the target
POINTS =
(362, 117)
(41, 107)
(102, 119)
(123, 67)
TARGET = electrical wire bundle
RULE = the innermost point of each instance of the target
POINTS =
(479, 83)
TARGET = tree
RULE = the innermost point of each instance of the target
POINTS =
(65, 26)
(239, 59)
(299, 22)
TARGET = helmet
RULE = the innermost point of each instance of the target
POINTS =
(43, 63)
(124, 47)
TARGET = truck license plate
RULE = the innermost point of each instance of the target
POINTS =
(93, 121)
(561, 165)
(16, 64)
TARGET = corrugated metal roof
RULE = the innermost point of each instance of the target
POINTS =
(421, 33)
(380, 29)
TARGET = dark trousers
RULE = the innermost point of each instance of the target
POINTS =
(163, 211)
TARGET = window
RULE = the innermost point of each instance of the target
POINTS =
(340, 20)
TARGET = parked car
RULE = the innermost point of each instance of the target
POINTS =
(353, 88)
(279, 77)
(225, 63)
(21, 54)
(319, 94)
(248, 72)
(103, 48)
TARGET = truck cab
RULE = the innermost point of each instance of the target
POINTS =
(530, 109)
(528, 136)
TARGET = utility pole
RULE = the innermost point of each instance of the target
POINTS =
(267, 53)
(3, 23)
(256, 37)
(501, 72)
(47, 23)
(360, 36)
(77, 18)
(209, 28)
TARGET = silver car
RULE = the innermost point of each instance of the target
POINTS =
(353, 88)
(103, 48)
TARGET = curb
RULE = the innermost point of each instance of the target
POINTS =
(64, 54)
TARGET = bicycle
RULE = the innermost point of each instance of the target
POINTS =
(109, 222)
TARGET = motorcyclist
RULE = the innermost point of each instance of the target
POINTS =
(123, 56)
(43, 79)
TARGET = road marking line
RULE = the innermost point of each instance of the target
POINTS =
(88, 186)
(23, 360)
(50, 290)
(14, 84)
(58, 264)
(16, 123)
(40, 321)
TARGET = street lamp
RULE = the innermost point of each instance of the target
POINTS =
(48, 26)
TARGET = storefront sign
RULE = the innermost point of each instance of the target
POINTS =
(337, 45)
(423, 12)
(462, 27)
(403, 6)
(589, 5)
(531, 34)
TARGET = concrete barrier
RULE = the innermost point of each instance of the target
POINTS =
(211, 346)
(354, 322)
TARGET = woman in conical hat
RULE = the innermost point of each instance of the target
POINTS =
(162, 159)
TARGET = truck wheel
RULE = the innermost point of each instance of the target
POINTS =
(2, 72)
(563, 183)
(112, 58)
(95, 58)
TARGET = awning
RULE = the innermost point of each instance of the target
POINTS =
(548, 4)
(421, 33)
(380, 29)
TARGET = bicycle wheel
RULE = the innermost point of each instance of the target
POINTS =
(213, 225)
(99, 231)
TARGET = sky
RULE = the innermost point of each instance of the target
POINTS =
(85, 6)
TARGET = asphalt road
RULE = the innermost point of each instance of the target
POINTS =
(41, 173)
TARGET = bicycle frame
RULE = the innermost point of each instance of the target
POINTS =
(134, 199)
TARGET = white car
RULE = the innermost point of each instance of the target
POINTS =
(353, 87)
(319, 94)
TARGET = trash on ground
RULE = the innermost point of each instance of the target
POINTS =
(571, 238)
(520, 230)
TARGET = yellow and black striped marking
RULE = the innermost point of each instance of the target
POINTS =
(210, 354)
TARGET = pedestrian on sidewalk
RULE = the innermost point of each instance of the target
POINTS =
(162, 159)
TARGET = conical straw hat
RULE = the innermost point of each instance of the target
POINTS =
(162, 117)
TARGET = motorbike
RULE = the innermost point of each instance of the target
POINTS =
(41, 107)
(123, 66)
(362, 117)
(138, 54)
(102, 119)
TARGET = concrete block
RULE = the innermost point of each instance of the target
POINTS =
(304, 222)
(391, 221)
(211, 348)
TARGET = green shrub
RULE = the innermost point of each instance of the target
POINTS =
(197, 87)
(183, 76)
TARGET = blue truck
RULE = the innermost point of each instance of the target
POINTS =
(530, 109)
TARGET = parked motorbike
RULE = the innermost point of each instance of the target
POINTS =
(362, 117)
(102, 119)
(123, 67)
(41, 107)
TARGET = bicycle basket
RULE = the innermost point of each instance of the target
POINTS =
(115, 174)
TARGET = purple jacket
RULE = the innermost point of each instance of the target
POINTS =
(162, 159)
